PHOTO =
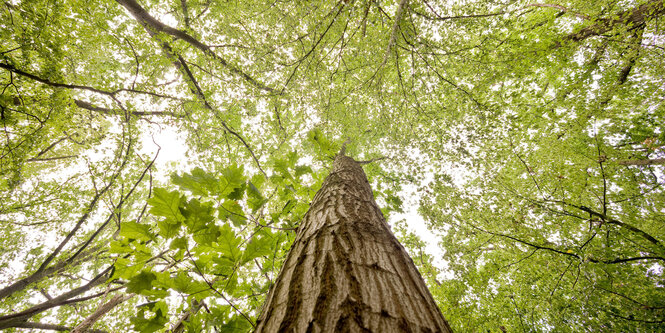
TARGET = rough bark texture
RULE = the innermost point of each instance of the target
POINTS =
(346, 271)
(85, 325)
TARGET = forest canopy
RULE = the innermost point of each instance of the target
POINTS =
(529, 135)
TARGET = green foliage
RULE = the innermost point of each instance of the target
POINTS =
(532, 133)
(141, 282)
(156, 312)
(214, 250)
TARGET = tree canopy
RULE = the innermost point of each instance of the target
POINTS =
(531, 134)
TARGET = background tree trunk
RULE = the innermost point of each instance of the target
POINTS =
(85, 325)
(346, 271)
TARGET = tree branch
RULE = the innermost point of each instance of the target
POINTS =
(149, 22)
(84, 326)
(85, 215)
(52, 327)
(438, 17)
(393, 35)
(654, 161)
(630, 227)
(48, 82)
(185, 12)
(103, 110)
(559, 7)
(15, 70)
(43, 270)
(18, 318)
(47, 159)
(629, 18)
(25, 282)
(153, 27)
(179, 326)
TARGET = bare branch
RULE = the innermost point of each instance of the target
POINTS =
(393, 35)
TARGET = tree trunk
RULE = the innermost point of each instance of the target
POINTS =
(346, 271)
(85, 325)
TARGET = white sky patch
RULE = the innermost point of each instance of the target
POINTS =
(173, 153)
(416, 224)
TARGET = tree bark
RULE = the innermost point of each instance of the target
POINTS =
(629, 18)
(346, 271)
(85, 325)
(20, 318)
(653, 161)
(52, 327)
(39, 275)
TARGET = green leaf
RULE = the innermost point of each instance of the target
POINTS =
(231, 210)
(151, 323)
(254, 198)
(228, 243)
(183, 283)
(302, 170)
(236, 325)
(238, 192)
(323, 145)
(257, 247)
(234, 174)
(178, 243)
(133, 230)
(207, 235)
(141, 282)
(197, 215)
(168, 230)
(233, 182)
(258, 180)
(218, 314)
(119, 247)
(282, 167)
(124, 269)
(395, 203)
(198, 182)
(166, 204)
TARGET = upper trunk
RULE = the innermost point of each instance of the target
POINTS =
(346, 271)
